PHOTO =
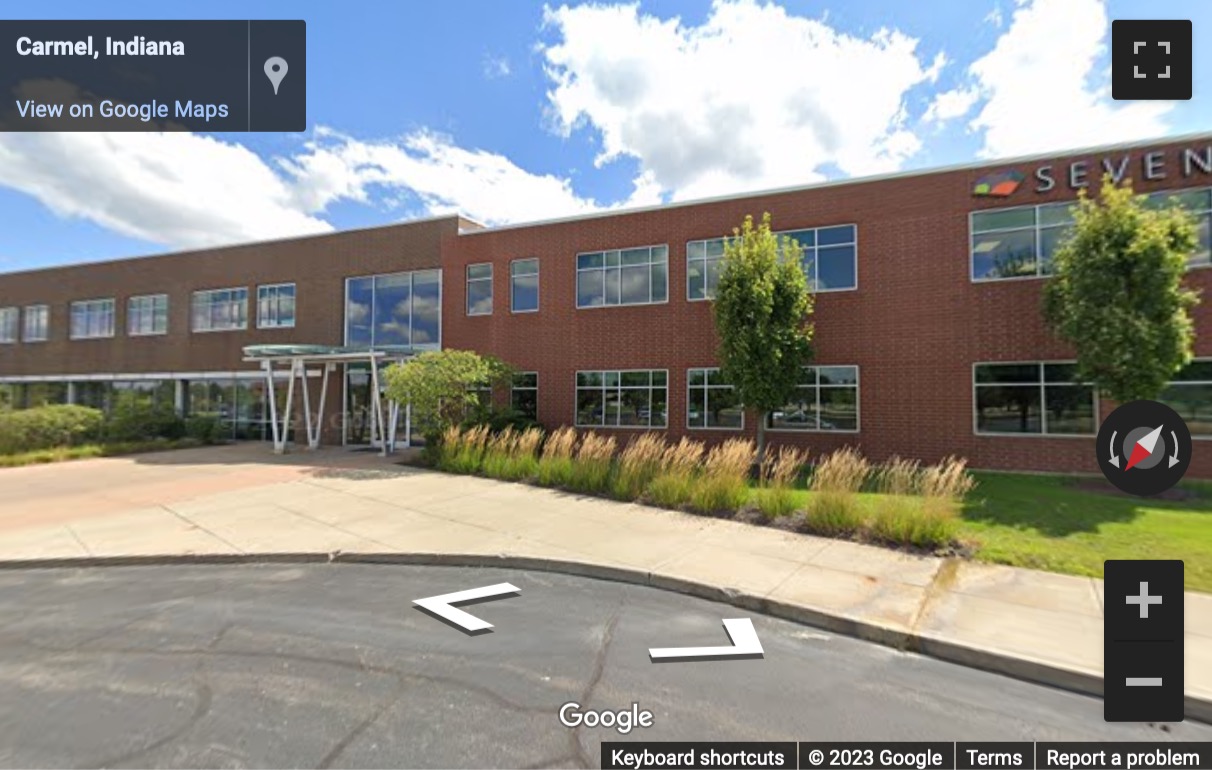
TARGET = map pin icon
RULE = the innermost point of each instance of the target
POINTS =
(275, 70)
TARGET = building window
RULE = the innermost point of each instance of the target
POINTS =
(9, 319)
(524, 285)
(524, 394)
(220, 310)
(36, 326)
(623, 277)
(1040, 398)
(711, 402)
(395, 310)
(1190, 394)
(276, 306)
(626, 399)
(1020, 242)
(92, 319)
(826, 400)
(479, 289)
(147, 315)
(830, 260)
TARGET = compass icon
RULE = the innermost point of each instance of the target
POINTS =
(1144, 448)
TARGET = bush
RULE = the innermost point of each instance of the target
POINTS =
(555, 464)
(499, 420)
(776, 497)
(921, 507)
(672, 487)
(591, 468)
(834, 508)
(134, 419)
(638, 465)
(48, 427)
(462, 451)
(722, 485)
(205, 428)
(510, 455)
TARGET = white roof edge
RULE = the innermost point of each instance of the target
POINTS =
(1051, 155)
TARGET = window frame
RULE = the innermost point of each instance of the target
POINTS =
(576, 388)
(513, 389)
(576, 286)
(87, 306)
(468, 281)
(858, 402)
(1043, 384)
(12, 312)
(538, 281)
(780, 234)
(193, 301)
(277, 299)
(44, 312)
(707, 387)
(130, 315)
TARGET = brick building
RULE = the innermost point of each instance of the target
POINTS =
(929, 337)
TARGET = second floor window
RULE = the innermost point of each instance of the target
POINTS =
(9, 318)
(276, 306)
(623, 277)
(479, 289)
(36, 326)
(92, 318)
(220, 310)
(524, 285)
(147, 315)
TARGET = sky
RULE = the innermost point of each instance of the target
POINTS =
(517, 111)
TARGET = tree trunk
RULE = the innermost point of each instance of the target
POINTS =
(761, 441)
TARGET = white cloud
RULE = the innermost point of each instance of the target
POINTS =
(995, 17)
(177, 189)
(752, 98)
(948, 105)
(1045, 84)
(496, 67)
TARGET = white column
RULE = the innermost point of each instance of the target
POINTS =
(71, 391)
(279, 443)
(376, 407)
(179, 397)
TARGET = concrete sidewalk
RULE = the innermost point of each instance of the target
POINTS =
(243, 502)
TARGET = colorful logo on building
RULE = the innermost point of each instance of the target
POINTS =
(998, 185)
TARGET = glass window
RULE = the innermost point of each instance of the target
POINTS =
(524, 285)
(826, 400)
(524, 394)
(36, 326)
(220, 310)
(398, 309)
(91, 319)
(9, 319)
(830, 260)
(628, 399)
(711, 401)
(628, 277)
(1190, 394)
(1199, 204)
(1039, 398)
(479, 289)
(276, 306)
(147, 315)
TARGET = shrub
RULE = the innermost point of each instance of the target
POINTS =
(136, 419)
(463, 450)
(834, 508)
(205, 428)
(638, 465)
(776, 497)
(48, 427)
(555, 464)
(722, 485)
(510, 455)
(672, 487)
(591, 468)
(898, 477)
(930, 519)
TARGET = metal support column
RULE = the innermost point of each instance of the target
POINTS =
(279, 438)
(376, 408)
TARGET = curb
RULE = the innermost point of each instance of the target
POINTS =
(1026, 669)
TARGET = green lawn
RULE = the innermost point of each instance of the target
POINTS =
(1050, 523)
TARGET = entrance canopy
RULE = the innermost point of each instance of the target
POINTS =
(298, 357)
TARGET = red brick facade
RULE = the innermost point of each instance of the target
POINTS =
(915, 325)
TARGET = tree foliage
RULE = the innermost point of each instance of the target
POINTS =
(442, 385)
(762, 308)
(1117, 294)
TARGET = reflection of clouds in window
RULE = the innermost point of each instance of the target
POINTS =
(421, 337)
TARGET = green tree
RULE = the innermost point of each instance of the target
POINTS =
(1117, 294)
(762, 308)
(442, 385)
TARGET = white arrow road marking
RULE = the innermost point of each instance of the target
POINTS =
(1114, 457)
(745, 643)
(441, 605)
(1174, 458)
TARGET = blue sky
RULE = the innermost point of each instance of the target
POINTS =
(517, 111)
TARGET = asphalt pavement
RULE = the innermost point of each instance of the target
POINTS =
(332, 666)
